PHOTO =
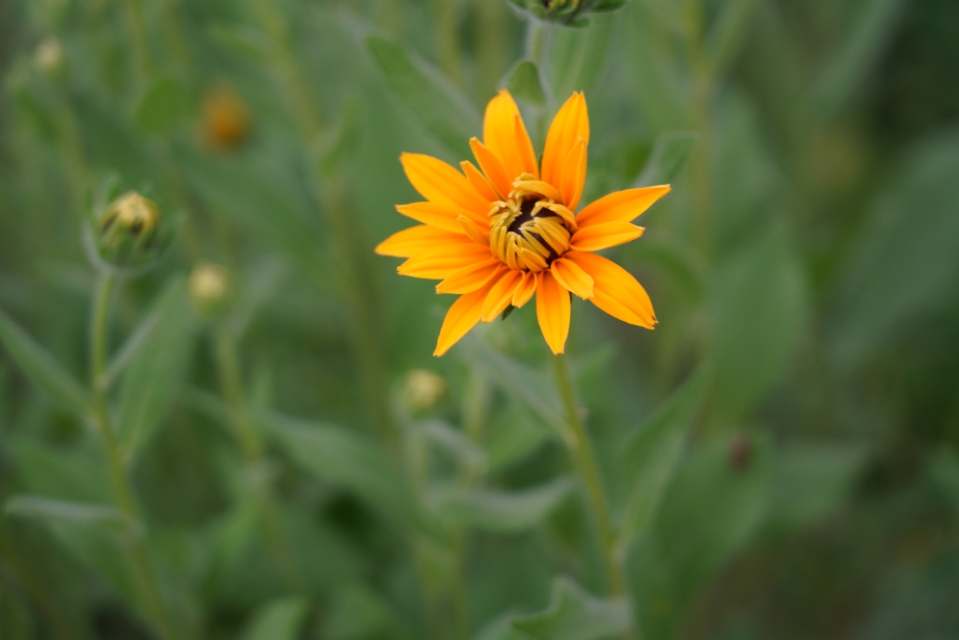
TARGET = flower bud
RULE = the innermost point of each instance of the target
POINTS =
(225, 120)
(211, 290)
(568, 12)
(48, 56)
(422, 390)
(128, 233)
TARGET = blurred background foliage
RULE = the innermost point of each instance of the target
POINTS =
(781, 453)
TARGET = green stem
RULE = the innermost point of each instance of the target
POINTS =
(248, 439)
(584, 459)
(139, 38)
(143, 575)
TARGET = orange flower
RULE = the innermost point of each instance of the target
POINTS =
(499, 236)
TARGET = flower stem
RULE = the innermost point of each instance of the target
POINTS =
(231, 385)
(584, 458)
(143, 575)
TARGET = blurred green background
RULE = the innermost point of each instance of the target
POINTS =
(781, 453)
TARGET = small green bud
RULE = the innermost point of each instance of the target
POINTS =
(211, 290)
(422, 390)
(48, 56)
(573, 13)
(129, 233)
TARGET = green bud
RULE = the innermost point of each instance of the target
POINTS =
(422, 390)
(48, 57)
(129, 233)
(211, 290)
(573, 13)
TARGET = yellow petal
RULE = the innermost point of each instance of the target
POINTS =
(621, 206)
(492, 167)
(477, 234)
(572, 277)
(602, 236)
(524, 146)
(501, 295)
(441, 215)
(462, 316)
(409, 242)
(525, 289)
(444, 261)
(479, 181)
(570, 124)
(506, 138)
(615, 290)
(538, 186)
(440, 183)
(574, 175)
(552, 311)
(471, 277)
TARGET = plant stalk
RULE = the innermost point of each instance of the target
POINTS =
(143, 575)
(248, 439)
(584, 459)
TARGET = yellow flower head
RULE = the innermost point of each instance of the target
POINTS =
(499, 236)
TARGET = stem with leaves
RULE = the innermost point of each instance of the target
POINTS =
(248, 439)
(144, 577)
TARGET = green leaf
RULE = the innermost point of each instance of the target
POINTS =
(574, 614)
(649, 457)
(515, 379)
(669, 157)
(242, 40)
(442, 109)
(157, 370)
(728, 35)
(578, 57)
(165, 105)
(712, 509)
(43, 369)
(905, 246)
(345, 458)
(811, 480)
(278, 620)
(100, 517)
(763, 307)
(502, 511)
(454, 442)
(661, 86)
(357, 612)
(871, 30)
(130, 347)
(526, 83)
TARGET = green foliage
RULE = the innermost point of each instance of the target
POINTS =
(43, 369)
(777, 459)
(573, 614)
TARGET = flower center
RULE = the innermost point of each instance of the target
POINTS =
(530, 229)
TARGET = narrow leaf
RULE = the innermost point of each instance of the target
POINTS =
(278, 620)
(43, 369)
(574, 614)
(650, 456)
(810, 480)
(517, 380)
(442, 109)
(157, 369)
(345, 458)
(503, 511)
(728, 35)
(668, 158)
(525, 82)
(861, 48)
(104, 518)
(130, 348)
